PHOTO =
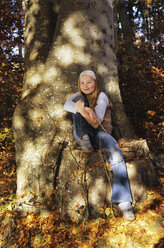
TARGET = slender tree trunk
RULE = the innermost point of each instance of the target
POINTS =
(126, 19)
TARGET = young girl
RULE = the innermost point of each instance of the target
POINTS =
(91, 111)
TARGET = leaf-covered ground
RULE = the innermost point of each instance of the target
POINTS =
(36, 232)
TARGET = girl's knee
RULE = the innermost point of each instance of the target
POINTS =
(107, 141)
(114, 154)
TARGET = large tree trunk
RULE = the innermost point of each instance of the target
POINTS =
(54, 55)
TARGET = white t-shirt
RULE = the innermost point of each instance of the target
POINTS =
(100, 108)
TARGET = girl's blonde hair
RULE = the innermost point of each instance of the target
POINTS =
(92, 99)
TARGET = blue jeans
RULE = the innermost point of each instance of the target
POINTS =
(101, 140)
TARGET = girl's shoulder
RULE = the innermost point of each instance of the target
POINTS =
(102, 93)
(104, 97)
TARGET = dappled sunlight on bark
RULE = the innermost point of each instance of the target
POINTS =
(18, 122)
(72, 29)
(30, 28)
(76, 208)
(98, 191)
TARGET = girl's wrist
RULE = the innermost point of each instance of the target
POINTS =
(84, 113)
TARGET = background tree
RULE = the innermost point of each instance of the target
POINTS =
(11, 57)
(140, 71)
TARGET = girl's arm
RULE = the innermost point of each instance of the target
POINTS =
(92, 115)
(94, 124)
(101, 106)
(86, 113)
(70, 104)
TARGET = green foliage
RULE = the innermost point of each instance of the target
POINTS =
(7, 204)
(6, 136)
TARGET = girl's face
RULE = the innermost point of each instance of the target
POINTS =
(87, 84)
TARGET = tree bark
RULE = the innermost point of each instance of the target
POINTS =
(61, 39)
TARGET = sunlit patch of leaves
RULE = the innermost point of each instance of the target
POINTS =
(7, 170)
(145, 231)
(6, 136)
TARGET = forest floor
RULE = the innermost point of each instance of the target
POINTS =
(33, 231)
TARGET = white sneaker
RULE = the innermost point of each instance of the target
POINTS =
(127, 211)
(85, 143)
